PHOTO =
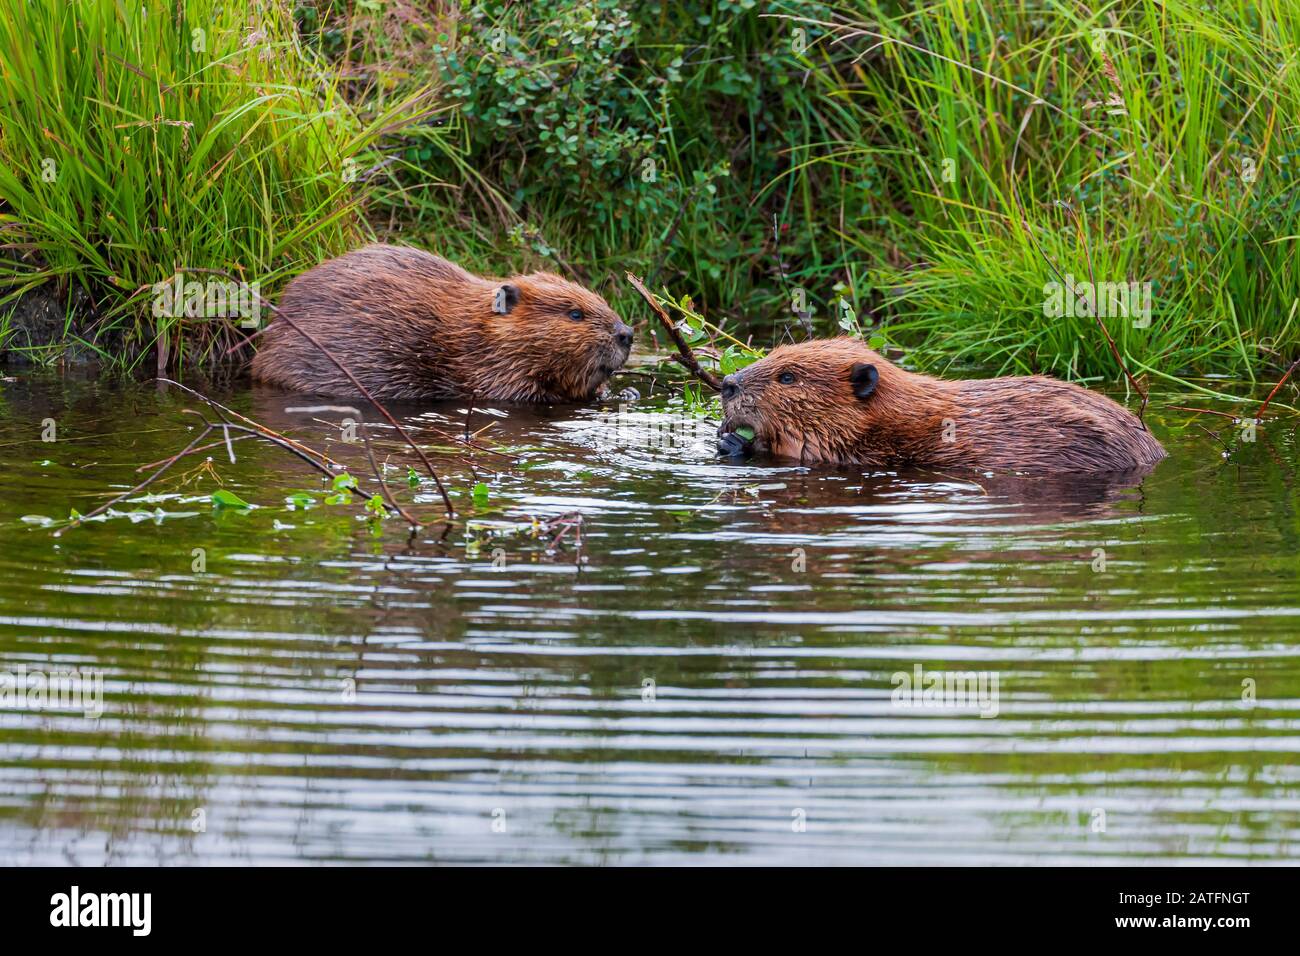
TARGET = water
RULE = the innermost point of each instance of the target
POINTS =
(711, 680)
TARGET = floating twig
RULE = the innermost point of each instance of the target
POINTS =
(223, 411)
(215, 444)
(253, 429)
(140, 487)
(370, 454)
(560, 526)
(1201, 411)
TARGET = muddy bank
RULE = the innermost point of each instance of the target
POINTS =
(49, 323)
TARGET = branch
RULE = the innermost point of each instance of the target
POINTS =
(144, 484)
(370, 454)
(687, 357)
(258, 427)
(1259, 415)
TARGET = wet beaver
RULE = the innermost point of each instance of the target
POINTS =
(836, 401)
(410, 325)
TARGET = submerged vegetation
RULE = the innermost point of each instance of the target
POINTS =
(917, 175)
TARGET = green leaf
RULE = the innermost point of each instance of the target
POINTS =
(228, 499)
(480, 494)
(344, 482)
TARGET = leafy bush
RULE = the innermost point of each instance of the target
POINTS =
(606, 128)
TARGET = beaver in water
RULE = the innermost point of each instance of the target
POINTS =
(838, 402)
(410, 325)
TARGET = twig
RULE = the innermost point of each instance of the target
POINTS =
(305, 456)
(687, 357)
(256, 426)
(215, 444)
(230, 449)
(370, 454)
(1201, 411)
(144, 484)
(253, 429)
(1259, 415)
(561, 525)
(1215, 436)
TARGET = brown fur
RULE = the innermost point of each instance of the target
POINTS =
(1031, 425)
(410, 325)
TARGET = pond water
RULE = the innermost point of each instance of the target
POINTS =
(718, 675)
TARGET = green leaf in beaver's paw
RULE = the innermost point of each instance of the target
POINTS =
(745, 432)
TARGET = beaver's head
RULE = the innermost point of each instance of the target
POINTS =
(815, 401)
(563, 339)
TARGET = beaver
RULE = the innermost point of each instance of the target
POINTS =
(411, 325)
(838, 402)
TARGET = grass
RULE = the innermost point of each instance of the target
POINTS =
(139, 141)
(934, 166)
(1139, 141)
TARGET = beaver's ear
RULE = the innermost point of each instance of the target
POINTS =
(506, 298)
(863, 378)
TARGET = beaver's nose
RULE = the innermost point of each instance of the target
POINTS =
(623, 335)
(730, 387)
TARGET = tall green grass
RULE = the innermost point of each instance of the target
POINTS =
(1131, 141)
(142, 140)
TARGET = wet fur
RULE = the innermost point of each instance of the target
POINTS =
(1028, 425)
(410, 325)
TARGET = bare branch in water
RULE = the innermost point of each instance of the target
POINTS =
(370, 452)
(253, 429)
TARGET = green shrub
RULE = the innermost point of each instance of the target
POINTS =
(599, 128)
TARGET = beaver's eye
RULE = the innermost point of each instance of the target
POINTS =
(575, 314)
(786, 378)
